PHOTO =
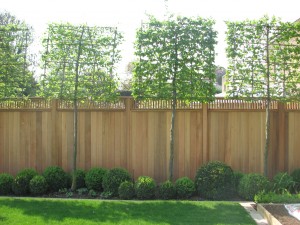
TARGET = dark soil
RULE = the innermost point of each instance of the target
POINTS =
(281, 214)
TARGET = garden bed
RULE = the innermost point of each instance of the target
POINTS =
(279, 212)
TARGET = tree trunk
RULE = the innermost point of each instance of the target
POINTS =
(268, 102)
(75, 122)
(171, 162)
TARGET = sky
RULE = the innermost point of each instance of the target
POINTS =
(128, 15)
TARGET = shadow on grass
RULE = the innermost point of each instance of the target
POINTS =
(134, 212)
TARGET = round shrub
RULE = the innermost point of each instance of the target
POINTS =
(94, 179)
(251, 184)
(145, 187)
(80, 178)
(282, 182)
(166, 190)
(56, 178)
(6, 181)
(214, 180)
(38, 185)
(126, 190)
(21, 182)
(185, 187)
(112, 180)
(296, 178)
(237, 176)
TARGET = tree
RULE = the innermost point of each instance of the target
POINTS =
(263, 64)
(79, 64)
(16, 79)
(176, 62)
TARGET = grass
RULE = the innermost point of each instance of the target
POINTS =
(89, 212)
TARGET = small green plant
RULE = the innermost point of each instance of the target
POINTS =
(296, 178)
(185, 188)
(80, 178)
(22, 180)
(69, 194)
(282, 182)
(106, 195)
(272, 197)
(166, 190)
(251, 184)
(6, 182)
(56, 178)
(92, 193)
(82, 191)
(38, 185)
(215, 180)
(94, 178)
(113, 178)
(145, 187)
(126, 190)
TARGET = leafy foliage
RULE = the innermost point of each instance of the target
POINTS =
(56, 178)
(251, 184)
(91, 50)
(166, 190)
(38, 185)
(145, 187)
(80, 178)
(22, 180)
(113, 178)
(16, 80)
(214, 180)
(185, 187)
(282, 182)
(296, 178)
(175, 55)
(6, 181)
(126, 190)
(272, 197)
(250, 45)
(94, 179)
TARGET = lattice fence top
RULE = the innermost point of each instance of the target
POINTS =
(164, 105)
(218, 104)
(292, 106)
(238, 104)
(25, 104)
(91, 105)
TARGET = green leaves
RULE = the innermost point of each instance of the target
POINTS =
(175, 55)
(252, 46)
(96, 60)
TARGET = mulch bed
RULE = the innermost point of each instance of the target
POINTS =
(281, 214)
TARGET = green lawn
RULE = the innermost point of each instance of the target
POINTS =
(15, 211)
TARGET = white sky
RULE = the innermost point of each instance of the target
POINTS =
(128, 14)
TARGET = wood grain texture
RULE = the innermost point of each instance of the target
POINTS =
(138, 140)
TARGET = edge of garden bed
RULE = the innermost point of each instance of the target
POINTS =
(268, 216)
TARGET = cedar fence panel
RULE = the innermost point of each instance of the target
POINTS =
(135, 135)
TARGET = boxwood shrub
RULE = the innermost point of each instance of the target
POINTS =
(215, 180)
(94, 178)
(21, 182)
(56, 178)
(80, 178)
(145, 187)
(38, 185)
(126, 190)
(112, 180)
(251, 184)
(166, 190)
(6, 181)
(185, 188)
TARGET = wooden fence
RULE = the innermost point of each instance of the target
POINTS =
(135, 135)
